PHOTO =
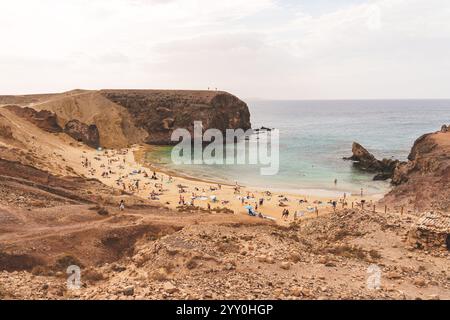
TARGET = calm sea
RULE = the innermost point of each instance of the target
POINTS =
(316, 135)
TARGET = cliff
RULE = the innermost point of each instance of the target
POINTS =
(423, 182)
(125, 117)
(159, 112)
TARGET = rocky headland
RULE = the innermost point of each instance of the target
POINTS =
(126, 117)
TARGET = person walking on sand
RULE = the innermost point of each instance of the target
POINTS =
(334, 203)
(122, 205)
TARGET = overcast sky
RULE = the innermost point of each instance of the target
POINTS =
(276, 49)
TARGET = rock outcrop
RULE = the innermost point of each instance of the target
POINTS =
(423, 182)
(365, 161)
(88, 134)
(5, 129)
(159, 112)
(43, 119)
(126, 117)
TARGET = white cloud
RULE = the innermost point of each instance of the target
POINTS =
(254, 48)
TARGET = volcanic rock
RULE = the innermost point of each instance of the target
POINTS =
(43, 119)
(159, 112)
(423, 181)
(365, 161)
(88, 134)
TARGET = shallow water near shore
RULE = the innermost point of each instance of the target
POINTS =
(316, 135)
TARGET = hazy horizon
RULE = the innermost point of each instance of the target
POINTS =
(242, 98)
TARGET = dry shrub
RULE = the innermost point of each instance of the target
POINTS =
(103, 211)
(160, 275)
(92, 275)
(374, 254)
(66, 260)
(349, 252)
(223, 210)
(3, 293)
(228, 247)
(191, 264)
(41, 271)
(343, 233)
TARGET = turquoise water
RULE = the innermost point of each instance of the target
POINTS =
(316, 135)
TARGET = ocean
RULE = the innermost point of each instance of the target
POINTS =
(316, 135)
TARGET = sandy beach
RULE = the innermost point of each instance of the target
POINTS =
(126, 170)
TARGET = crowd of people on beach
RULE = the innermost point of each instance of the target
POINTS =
(113, 164)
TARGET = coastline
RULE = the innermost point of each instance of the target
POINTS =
(142, 150)
(303, 201)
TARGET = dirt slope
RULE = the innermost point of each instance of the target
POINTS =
(423, 183)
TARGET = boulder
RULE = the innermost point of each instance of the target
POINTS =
(128, 291)
(365, 161)
(169, 287)
(88, 134)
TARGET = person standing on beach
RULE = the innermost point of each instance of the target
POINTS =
(122, 205)
(362, 192)
(334, 203)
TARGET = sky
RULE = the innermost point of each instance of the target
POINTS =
(267, 49)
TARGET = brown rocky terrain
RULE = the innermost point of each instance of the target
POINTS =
(225, 257)
(43, 119)
(126, 117)
(53, 216)
(423, 182)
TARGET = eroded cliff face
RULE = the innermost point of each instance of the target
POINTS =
(88, 134)
(423, 182)
(43, 119)
(126, 117)
(159, 112)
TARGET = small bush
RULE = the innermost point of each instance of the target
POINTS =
(93, 275)
(191, 264)
(63, 262)
(103, 211)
